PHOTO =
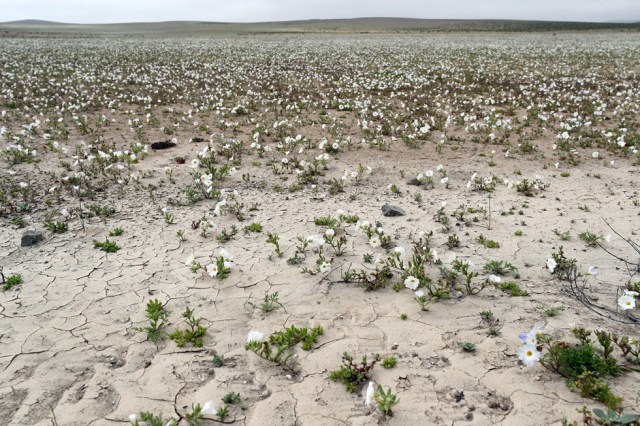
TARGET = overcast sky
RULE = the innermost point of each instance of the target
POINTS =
(102, 11)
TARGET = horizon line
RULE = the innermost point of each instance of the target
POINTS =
(45, 21)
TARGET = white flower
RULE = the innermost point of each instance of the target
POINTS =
(439, 167)
(434, 254)
(255, 336)
(329, 232)
(631, 293)
(419, 293)
(529, 354)
(411, 283)
(551, 265)
(495, 279)
(23, 184)
(325, 267)
(315, 241)
(195, 163)
(368, 399)
(224, 253)
(209, 408)
(189, 261)
(212, 269)
(133, 419)
(374, 241)
(608, 238)
(444, 180)
(626, 302)
(595, 154)
(593, 271)
(428, 173)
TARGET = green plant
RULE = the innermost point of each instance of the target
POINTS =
(487, 316)
(168, 218)
(157, 320)
(614, 418)
(500, 267)
(563, 235)
(269, 303)
(196, 416)
(116, 232)
(351, 374)
(295, 260)
(106, 246)
(404, 317)
(11, 281)
(453, 241)
(385, 400)
(19, 222)
(512, 288)
(151, 419)
(467, 346)
(389, 362)
(326, 221)
(593, 387)
(493, 332)
(254, 227)
(274, 239)
(277, 348)
(590, 238)
(222, 413)
(218, 360)
(553, 311)
(226, 236)
(57, 227)
(583, 365)
(181, 235)
(194, 334)
(293, 335)
(102, 211)
(529, 188)
(487, 243)
(231, 398)
(561, 266)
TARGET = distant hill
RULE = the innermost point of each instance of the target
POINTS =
(31, 22)
(356, 25)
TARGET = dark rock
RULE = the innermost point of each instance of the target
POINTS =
(31, 237)
(391, 211)
(197, 139)
(163, 145)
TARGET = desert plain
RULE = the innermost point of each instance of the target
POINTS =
(279, 153)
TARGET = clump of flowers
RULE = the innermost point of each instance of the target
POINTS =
(219, 267)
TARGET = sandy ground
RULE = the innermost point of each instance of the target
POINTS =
(69, 342)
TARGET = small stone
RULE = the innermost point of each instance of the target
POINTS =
(31, 237)
(392, 211)
(163, 145)
(469, 416)
(394, 346)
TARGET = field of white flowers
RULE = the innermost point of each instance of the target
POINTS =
(348, 230)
